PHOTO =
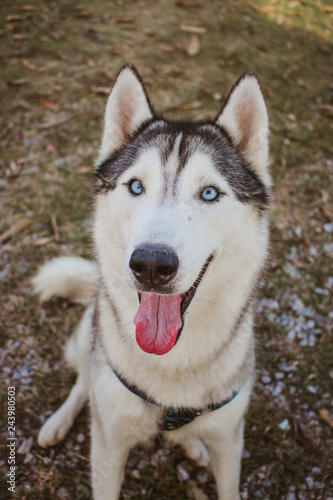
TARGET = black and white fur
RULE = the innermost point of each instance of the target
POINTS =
(214, 355)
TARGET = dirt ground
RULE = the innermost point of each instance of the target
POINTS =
(58, 61)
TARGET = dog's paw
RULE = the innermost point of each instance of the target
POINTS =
(54, 430)
(196, 450)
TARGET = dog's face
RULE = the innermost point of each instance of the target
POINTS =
(175, 197)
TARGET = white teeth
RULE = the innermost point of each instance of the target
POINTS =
(189, 294)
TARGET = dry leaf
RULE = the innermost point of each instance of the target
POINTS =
(55, 35)
(287, 73)
(124, 20)
(24, 104)
(327, 211)
(27, 64)
(51, 149)
(53, 123)
(186, 5)
(85, 169)
(194, 46)
(266, 9)
(84, 13)
(13, 17)
(196, 493)
(301, 83)
(48, 104)
(328, 9)
(101, 90)
(116, 51)
(296, 13)
(20, 36)
(165, 48)
(28, 8)
(193, 29)
(227, 63)
(325, 416)
(190, 105)
(43, 241)
(14, 229)
(20, 81)
(325, 109)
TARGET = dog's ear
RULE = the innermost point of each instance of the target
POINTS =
(245, 119)
(127, 109)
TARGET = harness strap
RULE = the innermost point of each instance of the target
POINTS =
(173, 418)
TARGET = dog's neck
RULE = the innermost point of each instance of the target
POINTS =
(193, 361)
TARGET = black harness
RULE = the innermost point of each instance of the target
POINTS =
(173, 418)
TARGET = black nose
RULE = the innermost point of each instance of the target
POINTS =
(154, 265)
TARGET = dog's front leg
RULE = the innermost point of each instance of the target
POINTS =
(108, 460)
(225, 454)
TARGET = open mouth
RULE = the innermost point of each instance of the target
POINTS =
(160, 318)
(186, 298)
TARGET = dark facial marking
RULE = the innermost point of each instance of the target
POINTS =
(204, 137)
(109, 171)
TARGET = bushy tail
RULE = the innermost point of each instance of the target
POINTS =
(71, 278)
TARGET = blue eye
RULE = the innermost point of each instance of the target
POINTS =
(135, 187)
(209, 194)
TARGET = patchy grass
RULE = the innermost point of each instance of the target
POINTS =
(54, 57)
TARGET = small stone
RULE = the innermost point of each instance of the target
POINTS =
(246, 454)
(329, 282)
(196, 494)
(328, 227)
(28, 458)
(285, 426)
(63, 493)
(279, 375)
(80, 438)
(182, 473)
(309, 481)
(202, 477)
(47, 460)
(290, 496)
(328, 247)
(142, 464)
(290, 269)
(136, 474)
(25, 446)
(266, 379)
(278, 389)
(312, 389)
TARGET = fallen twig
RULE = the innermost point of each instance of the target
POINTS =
(14, 229)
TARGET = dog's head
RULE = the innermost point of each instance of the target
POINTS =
(178, 200)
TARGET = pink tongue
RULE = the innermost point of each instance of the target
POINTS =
(157, 322)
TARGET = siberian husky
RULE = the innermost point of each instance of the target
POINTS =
(181, 235)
